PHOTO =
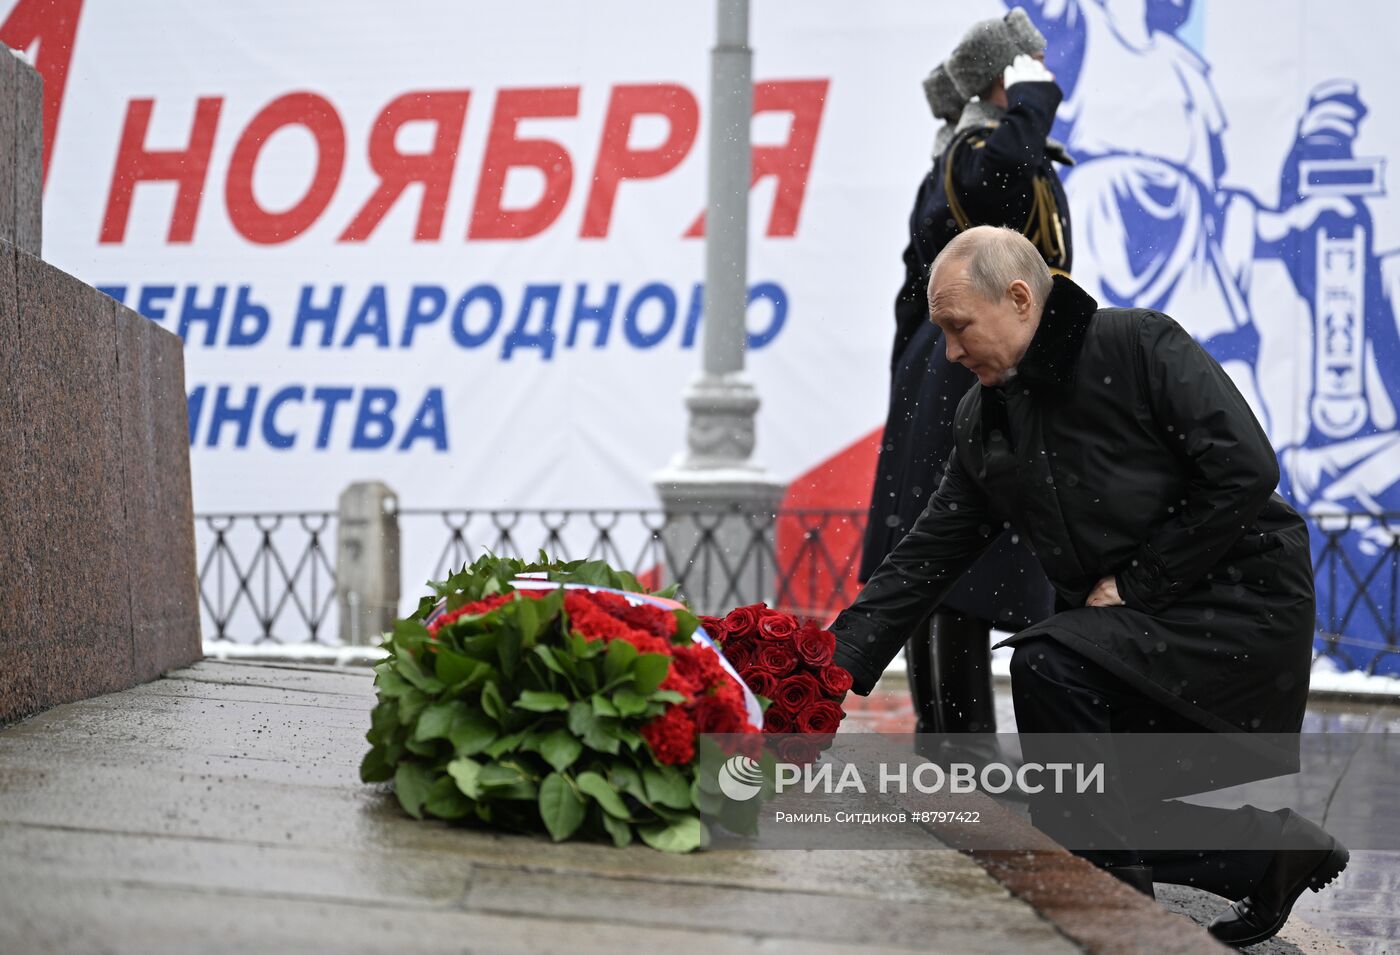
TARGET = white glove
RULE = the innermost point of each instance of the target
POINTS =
(1026, 69)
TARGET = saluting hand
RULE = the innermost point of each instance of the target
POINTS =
(1105, 594)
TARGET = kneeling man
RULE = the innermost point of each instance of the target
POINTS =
(1123, 455)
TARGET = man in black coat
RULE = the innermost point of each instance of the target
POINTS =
(996, 167)
(1121, 452)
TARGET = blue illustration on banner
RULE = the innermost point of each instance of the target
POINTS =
(1155, 227)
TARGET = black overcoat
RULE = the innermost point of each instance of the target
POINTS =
(1120, 447)
(993, 174)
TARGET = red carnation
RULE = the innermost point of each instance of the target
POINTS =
(760, 681)
(798, 692)
(814, 645)
(834, 679)
(484, 605)
(659, 623)
(774, 625)
(699, 664)
(778, 659)
(822, 716)
(720, 712)
(671, 737)
(743, 621)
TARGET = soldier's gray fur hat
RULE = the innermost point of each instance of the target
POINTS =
(1023, 32)
(943, 97)
(986, 49)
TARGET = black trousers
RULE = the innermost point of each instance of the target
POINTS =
(1056, 690)
(948, 659)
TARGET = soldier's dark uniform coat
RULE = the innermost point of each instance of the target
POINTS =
(993, 172)
(1120, 447)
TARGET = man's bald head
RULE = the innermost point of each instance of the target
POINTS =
(986, 291)
(996, 257)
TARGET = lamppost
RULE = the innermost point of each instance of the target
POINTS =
(714, 475)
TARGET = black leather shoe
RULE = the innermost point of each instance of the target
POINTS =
(1311, 860)
(1138, 876)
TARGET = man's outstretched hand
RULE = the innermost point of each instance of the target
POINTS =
(1105, 594)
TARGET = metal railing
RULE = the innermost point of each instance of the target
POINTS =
(1357, 572)
(268, 577)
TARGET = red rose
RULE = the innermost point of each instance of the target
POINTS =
(798, 692)
(835, 680)
(822, 716)
(740, 653)
(743, 621)
(774, 625)
(760, 681)
(814, 645)
(798, 749)
(778, 659)
(777, 719)
(714, 626)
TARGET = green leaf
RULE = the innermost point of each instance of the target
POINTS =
(390, 684)
(595, 573)
(686, 624)
(411, 784)
(707, 802)
(630, 737)
(528, 619)
(374, 768)
(410, 705)
(559, 749)
(628, 780)
(581, 718)
(438, 721)
(620, 831)
(505, 744)
(602, 736)
(629, 702)
(466, 772)
(509, 644)
(491, 701)
(537, 701)
(667, 787)
(446, 801)
(667, 696)
(453, 668)
(422, 747)
(602, 706)
(619, 660)
(561, 809)
(383, 722)
(683, 835)
(498, 775)
(560, 664)
(596, 786)
(473, 734)
(649, 670)
(412, 671)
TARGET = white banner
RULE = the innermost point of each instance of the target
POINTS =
(446, 245)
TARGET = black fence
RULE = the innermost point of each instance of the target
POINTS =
(270, 577)
(1356, 568)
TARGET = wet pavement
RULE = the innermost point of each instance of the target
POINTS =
(219, 810)
(1361, 910)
